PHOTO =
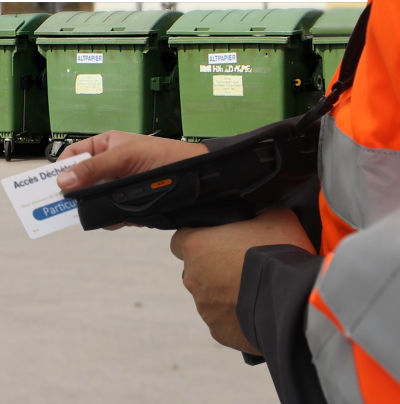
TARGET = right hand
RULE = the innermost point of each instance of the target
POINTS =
(213, 259)
(120, 154)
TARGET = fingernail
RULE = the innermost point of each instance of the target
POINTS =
(67, 179)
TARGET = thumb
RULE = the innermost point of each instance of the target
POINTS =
(91, 171)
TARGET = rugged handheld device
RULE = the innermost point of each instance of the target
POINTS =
(223, 186)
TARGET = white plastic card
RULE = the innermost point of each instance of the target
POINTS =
(39, 201)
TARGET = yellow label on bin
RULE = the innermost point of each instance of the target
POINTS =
(227, 86)
(89, 84)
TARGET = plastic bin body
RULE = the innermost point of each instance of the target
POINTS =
(331, 35)
(110, 71)
(23, 101)
(239, 70)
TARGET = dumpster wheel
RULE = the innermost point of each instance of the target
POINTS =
(8, 146)
(53, 150)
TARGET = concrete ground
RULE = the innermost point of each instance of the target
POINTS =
(102, 318)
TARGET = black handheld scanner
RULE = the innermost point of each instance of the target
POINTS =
(224, 186)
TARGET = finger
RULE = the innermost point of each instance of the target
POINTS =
(93, 170)
(80, 147)
(120, 225)
(115, 227)
(95, 144)
(178, 240)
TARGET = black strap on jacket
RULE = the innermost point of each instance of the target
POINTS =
(347, 72)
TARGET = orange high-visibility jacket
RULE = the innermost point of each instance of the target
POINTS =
(353, 322)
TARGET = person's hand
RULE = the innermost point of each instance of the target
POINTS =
(120, 154)
(213, 259)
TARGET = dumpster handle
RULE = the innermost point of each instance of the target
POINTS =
(24, 113)
(154, 110)
(26, 82)
(23, 118)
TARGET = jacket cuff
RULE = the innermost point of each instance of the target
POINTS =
(274, 275)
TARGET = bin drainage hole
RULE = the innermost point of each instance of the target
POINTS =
(266, 55)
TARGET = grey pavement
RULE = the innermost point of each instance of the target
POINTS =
(102, 318)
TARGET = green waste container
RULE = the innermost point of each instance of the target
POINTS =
(242, 69)
(331, 34)
(24, 116)
(109, 71)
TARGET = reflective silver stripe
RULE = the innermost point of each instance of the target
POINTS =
(333, 358)
(360, 184)
(362, 288)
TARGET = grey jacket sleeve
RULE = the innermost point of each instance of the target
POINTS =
(276, 283)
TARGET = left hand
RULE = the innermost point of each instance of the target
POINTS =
(213, 260)
(120, 154)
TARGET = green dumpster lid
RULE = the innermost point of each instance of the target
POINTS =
(337, 22)
(273, 22)
(104, 23)
(14, 25)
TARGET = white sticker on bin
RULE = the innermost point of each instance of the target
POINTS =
(89, 58)
(218, 58)
(39, 201)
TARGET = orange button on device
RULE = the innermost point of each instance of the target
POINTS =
(161, 184)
